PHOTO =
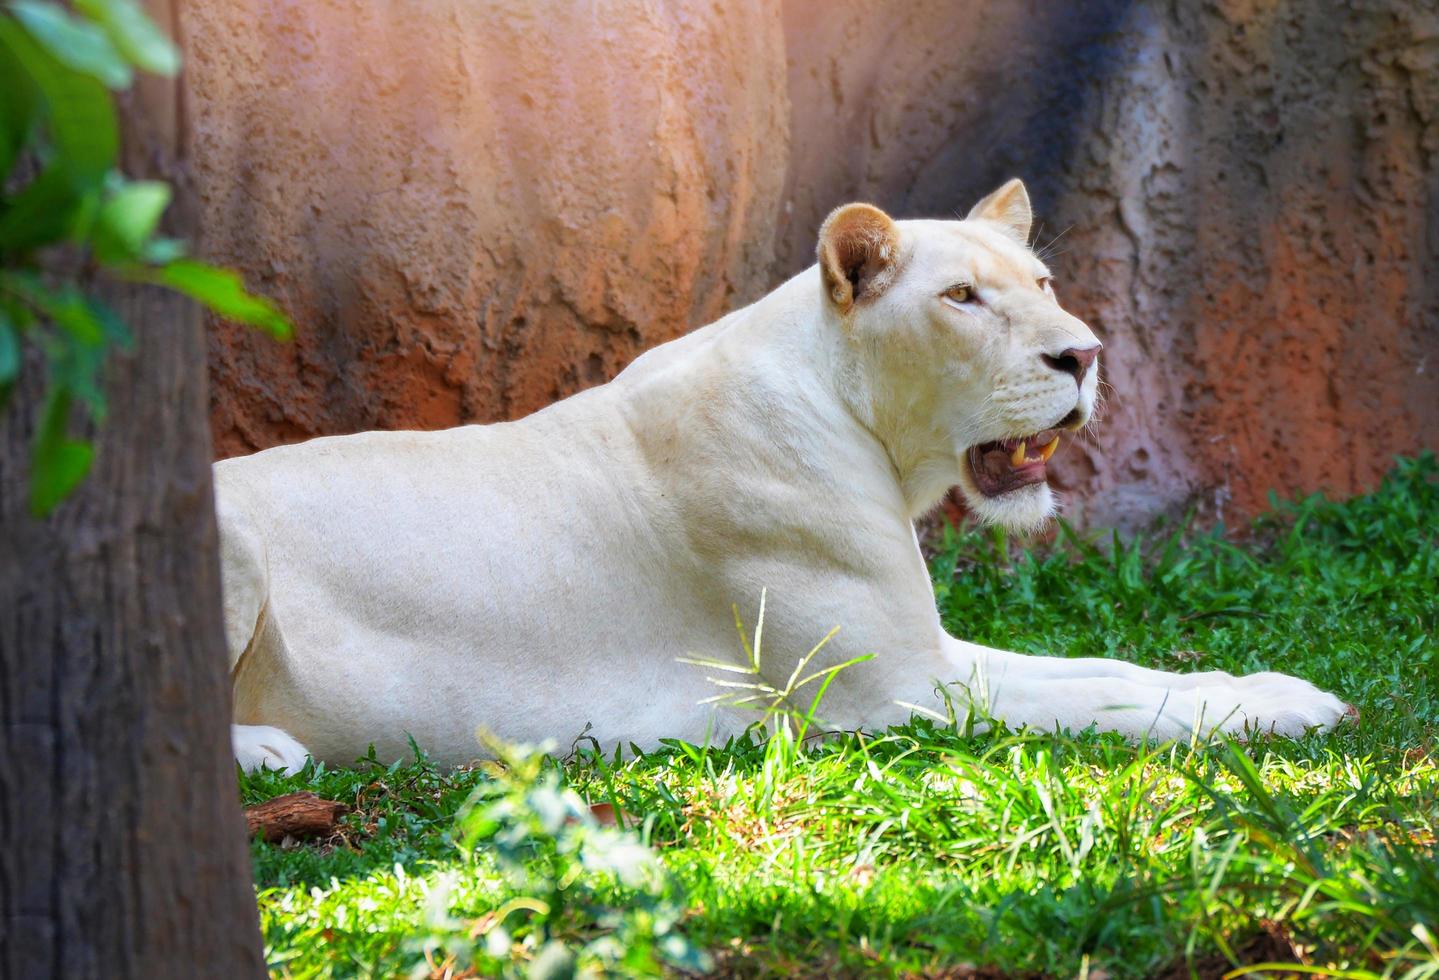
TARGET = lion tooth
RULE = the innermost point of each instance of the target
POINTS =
(1047, 450)
(1016, 458)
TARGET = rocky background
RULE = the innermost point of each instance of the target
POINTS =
(475, 208)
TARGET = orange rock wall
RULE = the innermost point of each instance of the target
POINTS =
(472, 211)
(1242, 198)
(471, 208)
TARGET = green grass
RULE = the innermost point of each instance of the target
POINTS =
(920, 850)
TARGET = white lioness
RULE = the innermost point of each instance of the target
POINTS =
(537, 576)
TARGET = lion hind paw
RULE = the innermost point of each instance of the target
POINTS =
(267, 747)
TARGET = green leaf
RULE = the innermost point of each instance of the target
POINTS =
(80, 116)
(9, 357)
(161, 251)
(75, 367)
(42, 214)
(222, 291)
(72, 314)
(127, 219)
(9, 349)
(74, 42)
(21, 317)
(67, 307)
(116, 332)
(57, 462)
(18, 100)
(76, 351)
(55, 472)
(134, 33)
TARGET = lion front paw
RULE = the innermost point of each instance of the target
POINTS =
(266, 747)
(1282, 705)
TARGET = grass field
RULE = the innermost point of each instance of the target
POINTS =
(926, 851)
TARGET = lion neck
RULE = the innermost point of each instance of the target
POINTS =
(899, 409)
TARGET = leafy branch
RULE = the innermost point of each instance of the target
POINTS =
(61, 193)
(588, 900)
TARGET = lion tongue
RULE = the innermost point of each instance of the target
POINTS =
(999, 467)
(997, 461)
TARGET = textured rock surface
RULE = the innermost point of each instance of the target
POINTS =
(472, 209)
(1246, 200)
(472, 212)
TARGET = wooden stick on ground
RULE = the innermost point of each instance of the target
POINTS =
(298, 815)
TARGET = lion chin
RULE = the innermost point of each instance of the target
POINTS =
(1022, 510)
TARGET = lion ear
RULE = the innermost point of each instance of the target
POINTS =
(858, 253)
(1007, 207)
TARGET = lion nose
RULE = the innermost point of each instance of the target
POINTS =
(1074, 361)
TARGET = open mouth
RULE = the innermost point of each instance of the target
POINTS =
(1007, 465)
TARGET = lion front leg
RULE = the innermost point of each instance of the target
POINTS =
(1072, 694)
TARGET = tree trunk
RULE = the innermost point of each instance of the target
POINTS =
(122, 844)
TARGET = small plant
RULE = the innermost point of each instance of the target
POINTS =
(775, 704)
(589, 900)
(68, 217)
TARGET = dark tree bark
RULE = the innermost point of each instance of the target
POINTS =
(122, 843)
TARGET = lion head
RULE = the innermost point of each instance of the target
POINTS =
(958, 355)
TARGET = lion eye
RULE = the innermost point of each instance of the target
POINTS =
(960, 294)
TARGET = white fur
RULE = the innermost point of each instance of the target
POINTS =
(536, 577)
(266, 747)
